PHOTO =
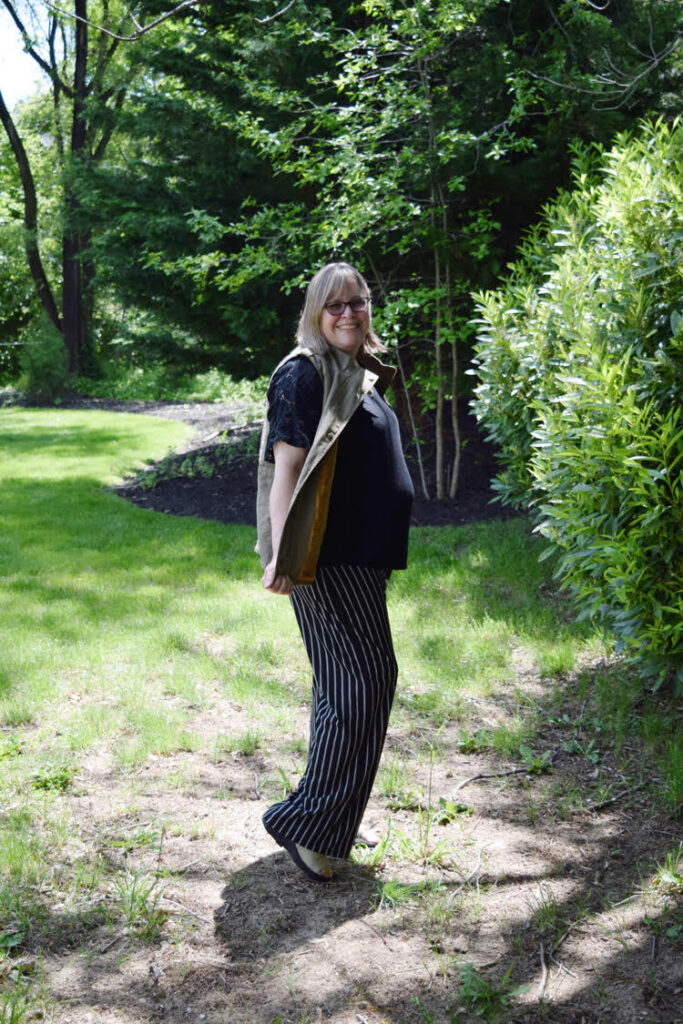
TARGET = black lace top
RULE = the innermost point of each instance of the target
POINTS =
(372, 492)
(295, 402)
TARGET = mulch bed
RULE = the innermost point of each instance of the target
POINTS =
(214, 475)
(223, 487)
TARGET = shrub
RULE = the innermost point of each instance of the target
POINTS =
(163, 383)
(43, 363)
(608, 469)
(580, 363)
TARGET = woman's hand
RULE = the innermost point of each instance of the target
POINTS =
(276, 584)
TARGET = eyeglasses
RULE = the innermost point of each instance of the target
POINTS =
(355, 305)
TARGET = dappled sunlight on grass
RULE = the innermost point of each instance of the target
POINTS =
(473, 597)
(99, 594)
(154, 698)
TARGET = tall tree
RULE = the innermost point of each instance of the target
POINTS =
(420, 144)
(85, 91)
(88, 83)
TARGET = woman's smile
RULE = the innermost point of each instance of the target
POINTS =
(345, 330)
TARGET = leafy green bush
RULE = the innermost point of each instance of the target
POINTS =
(580, 361)
(608, 467)
(44, 374)
(162, 383)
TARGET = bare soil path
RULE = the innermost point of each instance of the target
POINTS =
(544, 879)
(509, 872)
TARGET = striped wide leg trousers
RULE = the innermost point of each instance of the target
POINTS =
(345, 626)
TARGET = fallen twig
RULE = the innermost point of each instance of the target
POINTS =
(491, 775)
(619, 796)
(467, 880)
(187, 910)
(257, 788)
(185, 867)
(533, 769)
(562, 937)
(560, 966)
(544, 975)
(373, 930)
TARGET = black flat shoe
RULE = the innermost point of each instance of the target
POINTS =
(291, 849)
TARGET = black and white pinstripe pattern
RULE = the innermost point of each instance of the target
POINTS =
(344, 623)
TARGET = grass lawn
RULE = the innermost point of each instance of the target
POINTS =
(131, 639)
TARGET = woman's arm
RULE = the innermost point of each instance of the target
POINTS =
(289, 462)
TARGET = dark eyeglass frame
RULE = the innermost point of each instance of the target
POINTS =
(358, 305)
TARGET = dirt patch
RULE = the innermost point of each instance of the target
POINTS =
(519, 894)
(519, 875)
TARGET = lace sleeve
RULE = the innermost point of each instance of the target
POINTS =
(295, 400)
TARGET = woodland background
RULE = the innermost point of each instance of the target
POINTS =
(167, 194)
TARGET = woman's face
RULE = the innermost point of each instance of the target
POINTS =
(346, 330)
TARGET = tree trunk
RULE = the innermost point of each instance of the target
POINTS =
(438, 356)
(413, 425)
(35, 263)
(438, 427)
(73, 305)
(455, 422)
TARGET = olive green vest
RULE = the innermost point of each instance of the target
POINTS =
(345, 382)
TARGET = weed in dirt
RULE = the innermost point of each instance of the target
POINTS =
(472, 743)
(669, 876)
(484, 998)
(586, 749)
(391, 893)
(421, 849)
(15, 1004)
(298, 745)
(55, 775)
(556, 659)
(374, 856)
(244, 743)
(392, 780)
(545, 914)
(665, 890)
(139, 839)
(138, 898)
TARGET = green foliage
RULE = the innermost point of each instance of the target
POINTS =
(610, 473)
(487, 999)
(54, 776)
(580, 364)
(164, 383)
(15, 1006)
(43, 363)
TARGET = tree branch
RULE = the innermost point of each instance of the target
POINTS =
(272, 17)
(42, 63)
(35, 263)
(140, 30)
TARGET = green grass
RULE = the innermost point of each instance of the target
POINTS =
(474, 598)
(99, 596)
(121, 625)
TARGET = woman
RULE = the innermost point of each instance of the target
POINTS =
(333, 514)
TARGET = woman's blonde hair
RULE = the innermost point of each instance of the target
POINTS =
(328, 282)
